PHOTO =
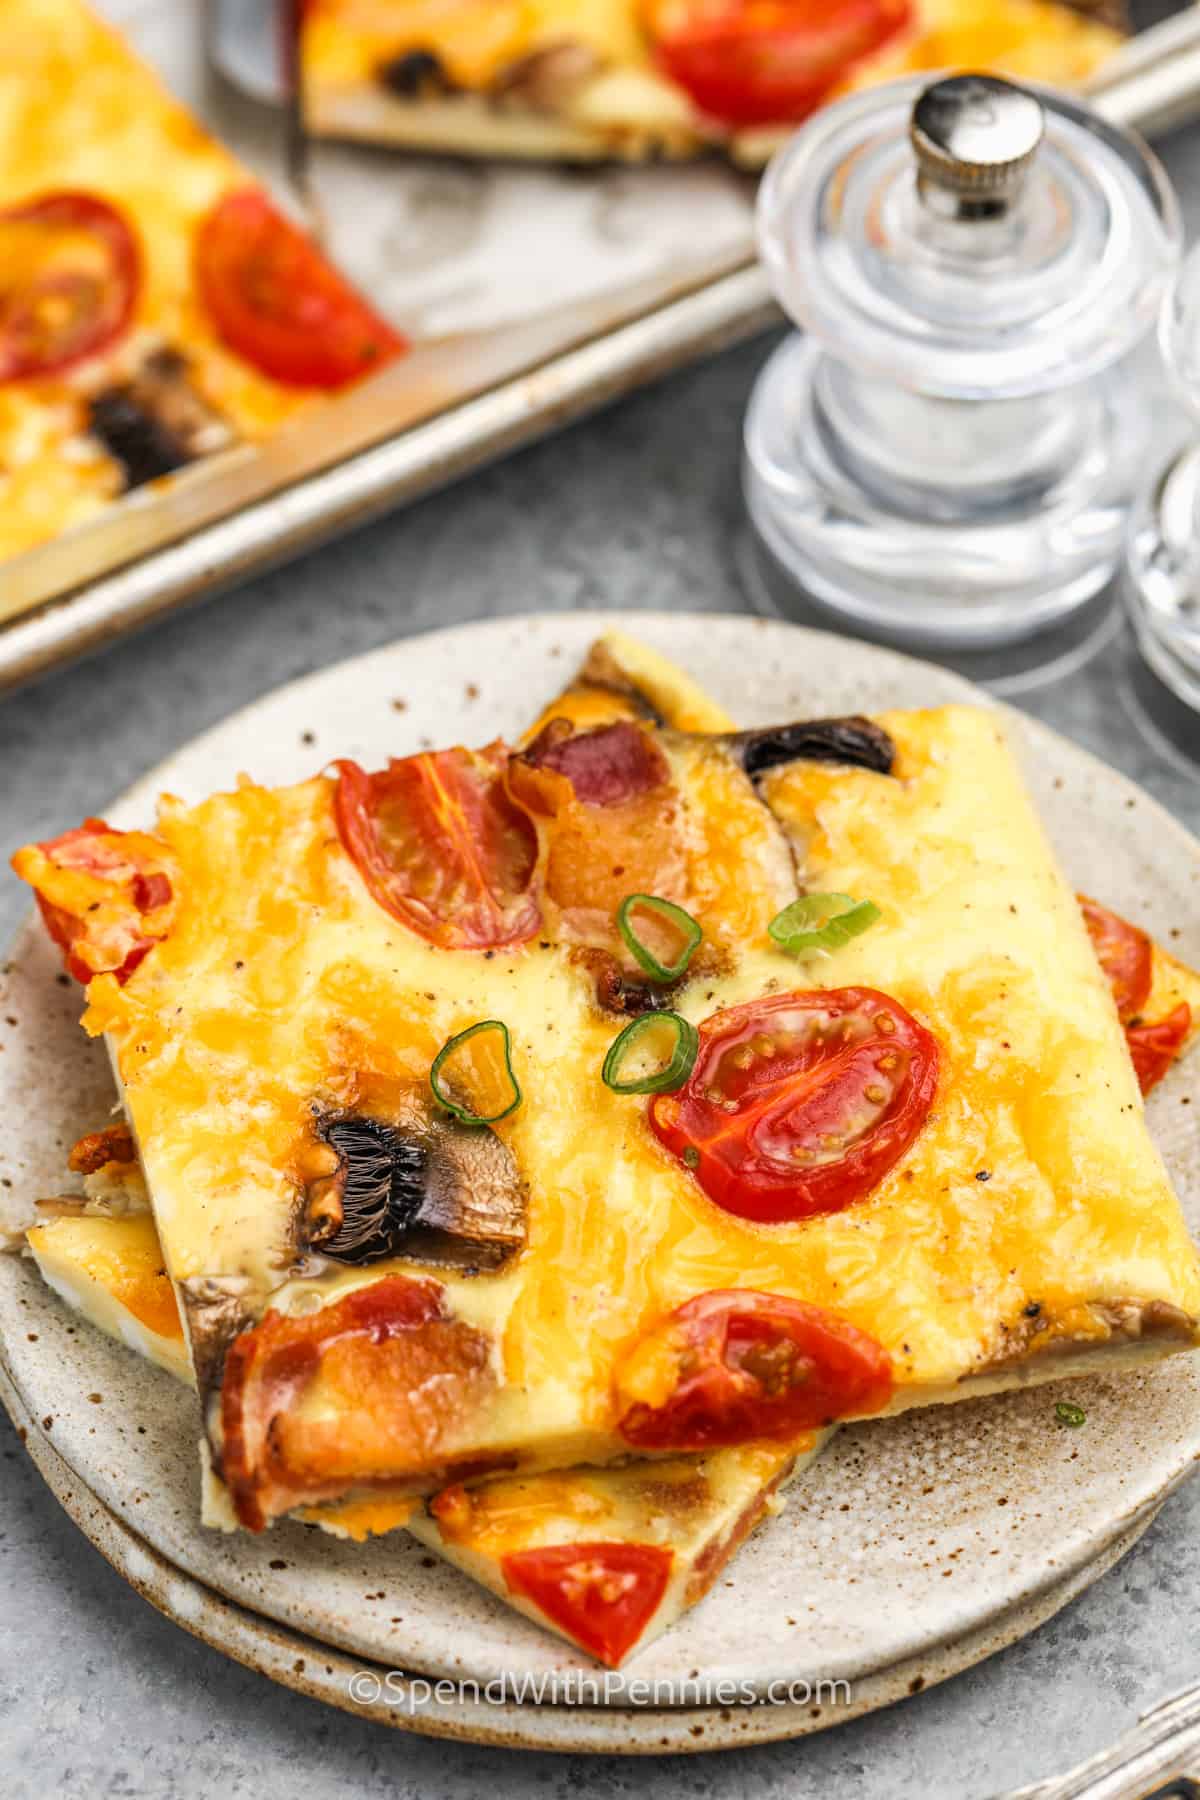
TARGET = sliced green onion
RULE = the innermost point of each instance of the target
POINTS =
(672, 1074)
(1067, 1413)
(443, 1057)
(821, 922)
(674, 915)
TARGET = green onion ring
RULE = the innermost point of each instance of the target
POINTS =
(666, 1080)
(447, 1050)
(677, 916)
(1067, 1413)
(821, 922)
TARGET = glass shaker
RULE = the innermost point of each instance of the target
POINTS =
(945, 453)
(1163, 564)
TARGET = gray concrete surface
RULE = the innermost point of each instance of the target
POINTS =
(99, 1696)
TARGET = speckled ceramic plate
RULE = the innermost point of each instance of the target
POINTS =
(911, 1534)
(347, 1682)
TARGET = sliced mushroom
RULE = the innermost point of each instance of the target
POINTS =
(1102, 12)
(218, 1308)
(156, 422)
(436, 1192)
(414, 75)
(856, 741)
(547, 80)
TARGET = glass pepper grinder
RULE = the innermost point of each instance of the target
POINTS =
(944, 455)
(1163, 557)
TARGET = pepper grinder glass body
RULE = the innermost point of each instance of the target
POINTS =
(1163, 556)
(946, 453)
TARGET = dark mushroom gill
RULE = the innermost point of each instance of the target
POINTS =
(437, 1192)
(855, 740)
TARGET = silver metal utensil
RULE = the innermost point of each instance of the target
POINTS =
(1159, 1759)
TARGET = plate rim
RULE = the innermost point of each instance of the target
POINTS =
(310, 1667)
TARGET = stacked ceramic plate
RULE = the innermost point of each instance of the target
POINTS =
(913, 1548)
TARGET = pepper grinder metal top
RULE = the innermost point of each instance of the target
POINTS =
(974, 138)
(945, 454)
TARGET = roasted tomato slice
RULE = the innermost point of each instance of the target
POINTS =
(610, 814)
(389, 1373)
(442, 847)
(105, 895)
(275, 300)
(735, 1366)
(766, 62)
(1155, 1047)
(602, 1595)
(70, 274)
(1127, 957)
(1124, 953)
(800, 1104)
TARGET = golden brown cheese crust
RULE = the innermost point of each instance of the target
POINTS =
(79, 111)
(111, 1269)
(545, 79)
(699, 1509)
(285, 981)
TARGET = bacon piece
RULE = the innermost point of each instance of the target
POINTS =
(389, 1373)
(610, 818)
(93, 1152)
(607, 767)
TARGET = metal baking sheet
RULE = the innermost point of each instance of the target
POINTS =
(635, 272)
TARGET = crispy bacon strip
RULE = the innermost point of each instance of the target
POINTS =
(366, 1392)
(609, 812)
(611, 766)
(92, 1153)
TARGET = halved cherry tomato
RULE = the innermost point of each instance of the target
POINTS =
(70, 273)
(1127, 957)
(275, 299)
(442, 847)
(734, 1366)
(104, 896)
(1155, 1047)
(392, 1372)
(800, 1104)
(602, 1595)
(766, 62)
(1124, 953)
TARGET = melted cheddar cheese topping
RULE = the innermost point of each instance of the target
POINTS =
(112, 1271)
(674, 1501)
(476, 41)
(624, 103)
(1033, 1182)
(79, 111)
(1032, 40)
